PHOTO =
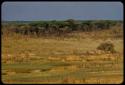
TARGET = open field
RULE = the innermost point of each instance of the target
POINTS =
(68, 60)
(62, 52)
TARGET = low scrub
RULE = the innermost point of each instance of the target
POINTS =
(107, 47)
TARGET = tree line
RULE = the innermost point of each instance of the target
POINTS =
(58, 28)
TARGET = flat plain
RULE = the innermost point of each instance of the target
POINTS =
(74, 60)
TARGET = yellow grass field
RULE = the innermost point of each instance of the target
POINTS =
(72, 60)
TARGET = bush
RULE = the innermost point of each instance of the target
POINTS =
(107, 47)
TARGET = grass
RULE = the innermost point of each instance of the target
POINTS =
(38, 69)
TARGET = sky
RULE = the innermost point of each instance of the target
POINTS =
(32, 11)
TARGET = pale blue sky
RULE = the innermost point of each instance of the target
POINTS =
(28, 11)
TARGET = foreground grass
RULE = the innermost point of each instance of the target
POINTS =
(29, 61)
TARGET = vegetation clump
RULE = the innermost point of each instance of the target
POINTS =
(107, 47)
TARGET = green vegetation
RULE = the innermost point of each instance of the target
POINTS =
(60, 28)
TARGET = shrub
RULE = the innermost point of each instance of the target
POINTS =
(107, 47)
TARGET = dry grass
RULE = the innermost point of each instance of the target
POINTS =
(56, 60)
